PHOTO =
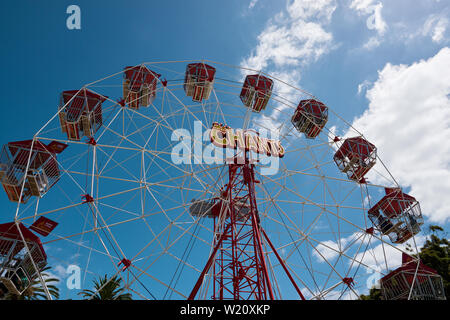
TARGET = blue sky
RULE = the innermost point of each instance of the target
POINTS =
(383, 66)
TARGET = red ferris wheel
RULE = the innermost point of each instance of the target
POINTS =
(201, 180)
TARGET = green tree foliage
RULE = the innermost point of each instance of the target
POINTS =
(107, 289)
(374, 294)
(36, 291)
(436, 254)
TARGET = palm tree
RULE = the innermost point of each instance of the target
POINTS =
(36, 291)
(107, 289)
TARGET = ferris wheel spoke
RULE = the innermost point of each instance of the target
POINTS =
(313, 203)
(304, 236)
(218, 111)
(327, 191)
(361, 230)
(168, 247)
(186, 110)
(309, 237)
(145, 272)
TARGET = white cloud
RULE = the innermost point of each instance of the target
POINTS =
(436, 27)
(408, 119)
(330, 249)
(367, 201)
(372, 43)
(292, 38)
(60, 271)
(378, 257)
(363, 86)
(252, 4)
(383, 257)
(307, 9)
(405, 24)
(361, 5)
(289, 44)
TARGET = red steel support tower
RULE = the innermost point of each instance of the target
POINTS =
(237, 261)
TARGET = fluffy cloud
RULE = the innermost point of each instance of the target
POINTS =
(293, 38)
(289, 45)
(374, 258)
(307, 9)
(330, 249)
(372, 43)
(436, 27)
(252, 4)
(408, 119)
(363, 86)
(374, 20)
(378, 257)
(404, 23)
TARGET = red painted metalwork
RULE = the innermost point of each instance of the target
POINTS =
(397, 215)
(33, 162)
(283, 265)
(412, 280)
(139, 86)
(237, 261)
(10, 231)
(20, 263)
(208, 263)
(87, 198)
(43, 226)
(349, 282)
(126, 264)
(80, 113)
(355, 157)
(92, 141)
(198, 81)
(310, 117)
(256, 92)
